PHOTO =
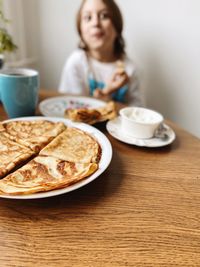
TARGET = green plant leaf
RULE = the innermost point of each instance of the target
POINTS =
(6, 42)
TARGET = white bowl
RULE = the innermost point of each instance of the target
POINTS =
(140, 122)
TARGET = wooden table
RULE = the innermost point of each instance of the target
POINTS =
(144, 210)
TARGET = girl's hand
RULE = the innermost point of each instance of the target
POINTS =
(118, 80)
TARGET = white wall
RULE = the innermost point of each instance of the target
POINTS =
(57, 38)
(163, 37)
(23, 29)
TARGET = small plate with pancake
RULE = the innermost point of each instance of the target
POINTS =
(56, 106)
(85, 165)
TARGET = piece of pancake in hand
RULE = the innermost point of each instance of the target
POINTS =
(120, 67)
(33, 134)
(74, 145)
(12, 154)
(92, 116)
(45, 173)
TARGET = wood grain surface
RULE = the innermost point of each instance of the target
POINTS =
(143, 211)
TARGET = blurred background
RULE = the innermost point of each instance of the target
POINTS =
(162, 37)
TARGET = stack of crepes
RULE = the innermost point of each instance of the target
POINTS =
(91, 115)
(41, 155)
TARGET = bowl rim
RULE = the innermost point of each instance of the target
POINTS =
(158, 121)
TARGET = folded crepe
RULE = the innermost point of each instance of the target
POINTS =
(92, 116)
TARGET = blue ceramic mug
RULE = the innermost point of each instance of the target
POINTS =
(19, 91)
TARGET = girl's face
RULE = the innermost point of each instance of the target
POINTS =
(97, 29)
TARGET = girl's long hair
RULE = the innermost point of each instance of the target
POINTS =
(117, 20)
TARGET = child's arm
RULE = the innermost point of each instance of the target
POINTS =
(118, 80)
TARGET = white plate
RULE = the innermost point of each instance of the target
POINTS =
(103, 164)
(56, 106)
(115, 129)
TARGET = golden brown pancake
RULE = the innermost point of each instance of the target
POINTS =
(2, 129)
(85, 115)
(120, 67)
(68, 156)
(92, 116)
(12, 154)
(43, 174)
(33, 134)
(73, 145)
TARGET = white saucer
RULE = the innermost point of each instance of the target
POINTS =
(114, 128)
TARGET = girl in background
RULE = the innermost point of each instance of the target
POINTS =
(100, 67)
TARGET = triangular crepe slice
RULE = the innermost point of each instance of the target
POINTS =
(45, 173)
(73, 145)
(33, 134)
(11, 154)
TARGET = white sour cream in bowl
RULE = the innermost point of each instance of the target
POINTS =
(140, 122)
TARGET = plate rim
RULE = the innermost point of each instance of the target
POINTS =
(64, 97)
(141, 144)
(104, 162)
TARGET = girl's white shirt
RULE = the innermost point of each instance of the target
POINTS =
(79, 68)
